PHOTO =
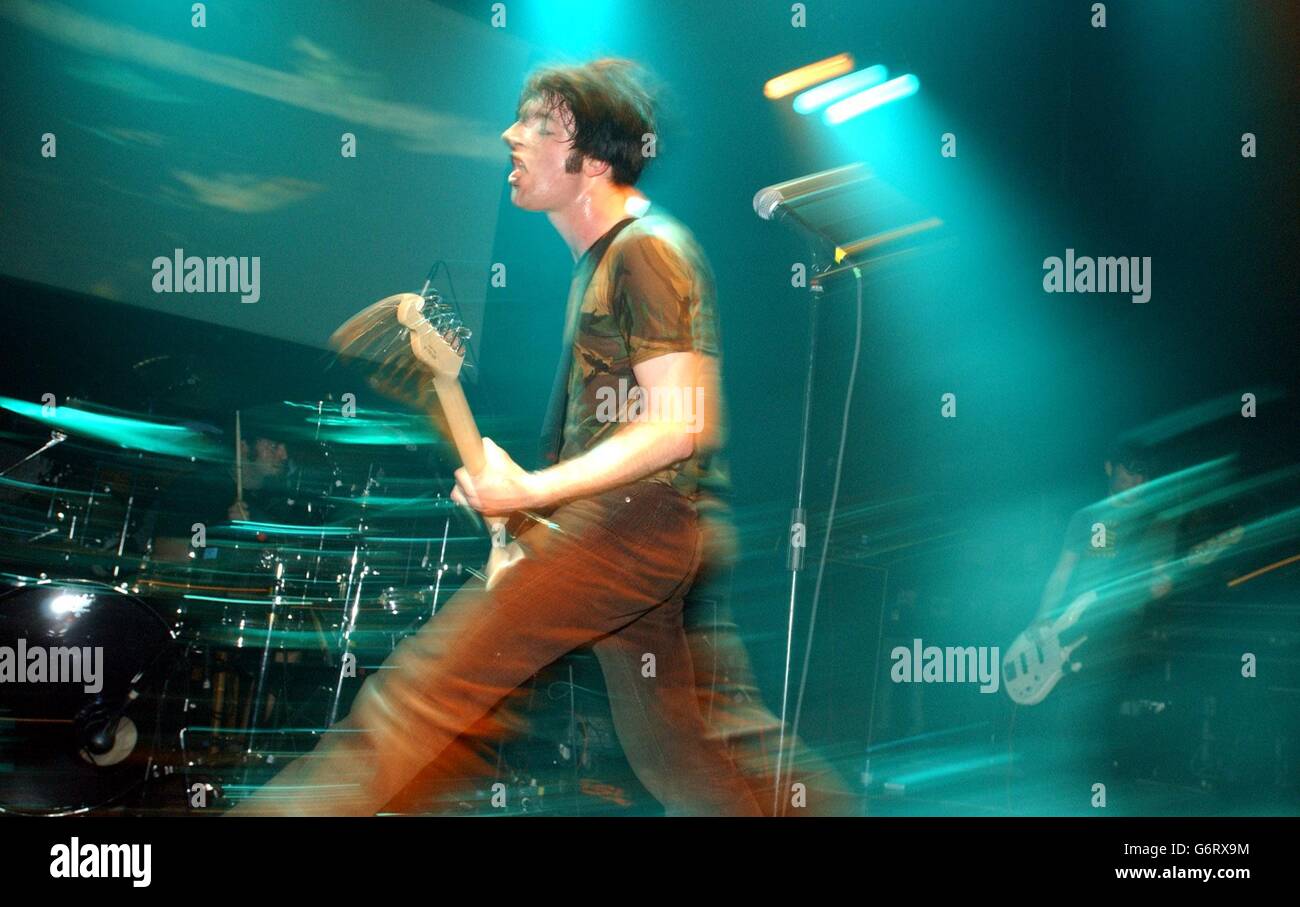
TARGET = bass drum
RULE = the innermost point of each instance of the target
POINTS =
(83, 668)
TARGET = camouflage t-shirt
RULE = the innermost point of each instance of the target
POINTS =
(642, 290)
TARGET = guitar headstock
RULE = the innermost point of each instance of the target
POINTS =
(438, 337)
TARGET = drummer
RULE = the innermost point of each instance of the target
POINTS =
(209, 495)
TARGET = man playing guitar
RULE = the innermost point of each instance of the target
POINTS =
(623, 541)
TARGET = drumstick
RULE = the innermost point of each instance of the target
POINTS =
(239, 461)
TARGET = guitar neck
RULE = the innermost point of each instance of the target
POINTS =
(460, 423)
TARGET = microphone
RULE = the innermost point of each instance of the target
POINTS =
(774, 202)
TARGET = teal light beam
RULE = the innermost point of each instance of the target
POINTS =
(815, 99)
(854, 105)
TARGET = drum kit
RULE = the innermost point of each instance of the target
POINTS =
(199, 674)
(230, 598)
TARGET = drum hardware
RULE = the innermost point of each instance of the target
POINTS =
(56, 438)
(258, 689)
(442, 562)
(108, 736)
(350, 623)
(315, 604)
(121, 539)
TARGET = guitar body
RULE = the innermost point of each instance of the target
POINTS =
(499, 561)
(1037, 660)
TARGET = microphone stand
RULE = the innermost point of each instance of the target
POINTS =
(823, 255)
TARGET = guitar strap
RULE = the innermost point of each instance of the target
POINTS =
(583, 275)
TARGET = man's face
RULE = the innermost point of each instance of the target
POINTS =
(540, 148)
(1121, 480)
(271, 455)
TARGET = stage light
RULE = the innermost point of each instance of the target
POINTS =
(804, 76)
(863, 101)
(816, 98)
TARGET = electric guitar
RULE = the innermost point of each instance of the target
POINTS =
(438, 341)
(1038, 658)
(405, 340)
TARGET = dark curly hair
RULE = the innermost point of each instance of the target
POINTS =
(1137, 458)
(612, 109)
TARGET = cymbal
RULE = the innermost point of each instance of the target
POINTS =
(333, 422)
(119, 428)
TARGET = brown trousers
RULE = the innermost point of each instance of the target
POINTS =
(614, 574)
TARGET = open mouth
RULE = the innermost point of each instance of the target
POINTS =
(518, 169)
